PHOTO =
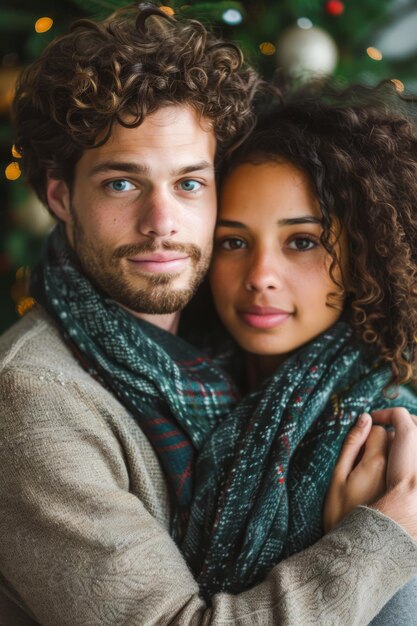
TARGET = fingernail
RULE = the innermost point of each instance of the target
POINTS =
(362, 420)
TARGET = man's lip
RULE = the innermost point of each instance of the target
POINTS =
(160, 263)
(158, 257)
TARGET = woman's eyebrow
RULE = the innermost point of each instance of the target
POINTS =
(304, 219)
(230, 223)
(287, 221)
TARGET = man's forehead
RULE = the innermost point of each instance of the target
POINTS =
(177, 123)
(176, 134)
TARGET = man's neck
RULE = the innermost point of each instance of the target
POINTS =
(167, 321)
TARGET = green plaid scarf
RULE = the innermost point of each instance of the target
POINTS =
(263, 467)
(262, 476)
(176, 394)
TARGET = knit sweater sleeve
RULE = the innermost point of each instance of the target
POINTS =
(78, 548)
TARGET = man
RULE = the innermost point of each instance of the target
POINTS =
(119, 124)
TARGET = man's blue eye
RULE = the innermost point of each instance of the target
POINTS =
(121, 185)
(190, 185)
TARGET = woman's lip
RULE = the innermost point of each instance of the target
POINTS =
(264, 320)
(264, 310)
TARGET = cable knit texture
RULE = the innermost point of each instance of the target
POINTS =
(85, 514)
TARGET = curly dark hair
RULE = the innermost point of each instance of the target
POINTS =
(121, 70)
(358, 146)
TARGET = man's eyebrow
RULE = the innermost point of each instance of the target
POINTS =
(119, 166)
(194, 167)
(137, 168)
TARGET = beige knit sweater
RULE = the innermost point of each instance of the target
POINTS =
(84, 518)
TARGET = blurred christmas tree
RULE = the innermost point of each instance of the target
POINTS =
(356, 41)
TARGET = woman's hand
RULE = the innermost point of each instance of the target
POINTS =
(359, 476)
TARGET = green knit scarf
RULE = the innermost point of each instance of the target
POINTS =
(176, 394)
(261, 477)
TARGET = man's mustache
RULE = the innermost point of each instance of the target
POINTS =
(133, 249)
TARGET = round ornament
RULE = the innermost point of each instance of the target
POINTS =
(305, 52)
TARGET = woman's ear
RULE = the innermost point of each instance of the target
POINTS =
(58, 196)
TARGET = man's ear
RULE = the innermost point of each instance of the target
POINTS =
(58, 196)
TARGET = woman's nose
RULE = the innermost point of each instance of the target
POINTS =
(264, 274)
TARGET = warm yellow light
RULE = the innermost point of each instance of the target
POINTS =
(23, 273)
(24, 305)
(43, 24)
(374, 53)
(398, 84)
(13, 171)
(16, 153)
(267, 48)
(167, 10)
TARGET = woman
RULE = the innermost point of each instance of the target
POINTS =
(314, 276)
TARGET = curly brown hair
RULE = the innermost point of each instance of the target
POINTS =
(121, 70)
(359, 149)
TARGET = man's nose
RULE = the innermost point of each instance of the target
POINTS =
(264, 273)
(160, 215)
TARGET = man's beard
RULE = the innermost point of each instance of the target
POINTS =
(159, 296)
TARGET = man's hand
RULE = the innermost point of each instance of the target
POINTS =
(359, 475)
(400, 500)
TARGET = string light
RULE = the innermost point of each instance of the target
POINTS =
(24, 305)
(267, 48)
(23, 274)
(19, 291)
(398, 84)
(13, 171)
(334, 7)
(232, 17)
(16, 153)
(167, 10)
(374, 53)
(43, 24)
(304, 23)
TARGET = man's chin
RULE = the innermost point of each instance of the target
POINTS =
(155, 300)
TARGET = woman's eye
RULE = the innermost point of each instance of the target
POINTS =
(232, 244)
(190, 185)
(121, 185)
(302, 243)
